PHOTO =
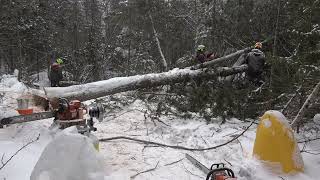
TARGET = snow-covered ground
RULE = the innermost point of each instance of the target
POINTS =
(126, 159)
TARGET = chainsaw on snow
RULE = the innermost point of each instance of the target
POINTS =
(216, 172)
(65, 113)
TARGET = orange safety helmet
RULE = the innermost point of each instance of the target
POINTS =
(258, 45)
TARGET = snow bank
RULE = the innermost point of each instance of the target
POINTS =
(69, 156)
(10, 89)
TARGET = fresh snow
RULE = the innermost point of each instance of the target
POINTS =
(267, 123)
(124, 159)
(69, 156)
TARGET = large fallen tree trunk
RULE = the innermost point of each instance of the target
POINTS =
(120, 84)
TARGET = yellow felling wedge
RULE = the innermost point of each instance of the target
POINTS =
(275, 143)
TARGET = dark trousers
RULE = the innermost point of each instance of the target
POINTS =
(255, 78)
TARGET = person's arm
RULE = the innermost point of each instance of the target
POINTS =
(210, 56)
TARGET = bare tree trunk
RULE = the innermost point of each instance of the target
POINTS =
(298, 119)
(121, 84)
(163, 59)
(276, 30)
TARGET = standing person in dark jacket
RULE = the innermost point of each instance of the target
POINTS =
(256, 63)
(202, 55)
(56, 73)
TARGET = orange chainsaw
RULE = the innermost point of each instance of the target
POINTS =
(66, 113)
(216, 171)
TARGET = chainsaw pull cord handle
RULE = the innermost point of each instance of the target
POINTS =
(229, 171)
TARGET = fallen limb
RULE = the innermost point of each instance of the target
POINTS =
(309, 140)
(5, 163)
(174, 162)
(152, 169)
(173, 146)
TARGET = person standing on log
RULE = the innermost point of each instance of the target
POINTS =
(56, 73)
(256, 65)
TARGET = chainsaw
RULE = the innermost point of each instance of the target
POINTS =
(65, 113)
(216, 172)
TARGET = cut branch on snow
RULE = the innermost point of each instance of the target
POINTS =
(174, 162)
(152, 169)
(309, 140)
(177, 147)
(3, 164)
(299, 117)
(121, 84)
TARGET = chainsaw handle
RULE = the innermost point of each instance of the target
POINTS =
(217, 165)
(61, 101)
(229, 171)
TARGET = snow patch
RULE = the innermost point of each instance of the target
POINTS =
(267, 123)
(69, 156)
(282, 119)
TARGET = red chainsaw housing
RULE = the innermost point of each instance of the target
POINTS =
(72, 111)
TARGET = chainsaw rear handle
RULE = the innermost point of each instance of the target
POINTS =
(229, 171)
(217, 165)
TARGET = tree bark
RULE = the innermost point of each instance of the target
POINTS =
(121, 84)
(298, 119)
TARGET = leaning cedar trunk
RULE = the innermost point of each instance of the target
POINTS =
(121, 84)
(221, 59)
(298, 119)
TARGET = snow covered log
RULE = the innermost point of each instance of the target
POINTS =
(121, 84)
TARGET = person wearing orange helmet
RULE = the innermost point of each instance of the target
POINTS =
(256, 64)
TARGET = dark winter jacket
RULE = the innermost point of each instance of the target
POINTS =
(203, 57)
(256, 62)
(55, 74)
